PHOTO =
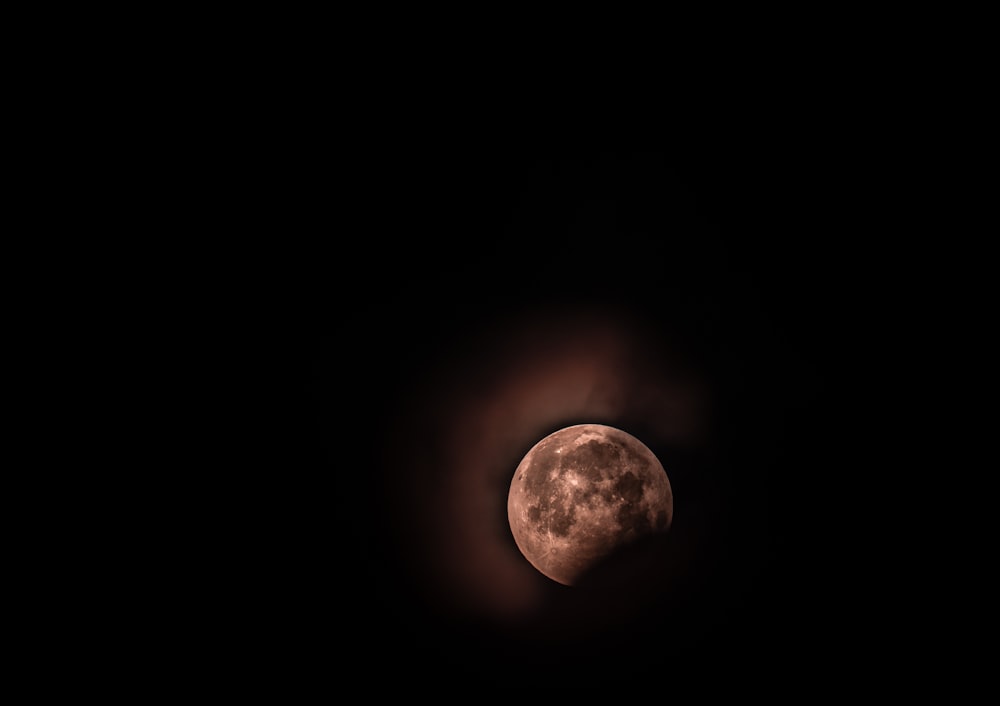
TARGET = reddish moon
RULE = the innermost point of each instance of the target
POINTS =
(583, 492)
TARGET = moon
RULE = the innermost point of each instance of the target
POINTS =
(581, 493)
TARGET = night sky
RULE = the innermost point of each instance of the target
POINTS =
(455, 301)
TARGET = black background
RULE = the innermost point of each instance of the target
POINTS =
(321, 235)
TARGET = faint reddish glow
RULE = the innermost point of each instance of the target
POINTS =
(480, 415)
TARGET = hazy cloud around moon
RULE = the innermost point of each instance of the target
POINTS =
(486, 405)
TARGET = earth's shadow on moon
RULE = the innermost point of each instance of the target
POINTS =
(645, 579)
(668, 596)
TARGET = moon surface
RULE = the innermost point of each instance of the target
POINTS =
(581, 493)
